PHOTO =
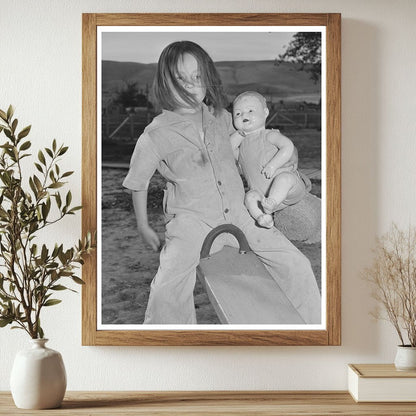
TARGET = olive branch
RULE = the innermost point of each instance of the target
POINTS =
(31, 273)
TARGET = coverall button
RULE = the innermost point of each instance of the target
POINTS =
(219, 183)
(226, 210)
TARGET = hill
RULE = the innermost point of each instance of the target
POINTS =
(277, 82)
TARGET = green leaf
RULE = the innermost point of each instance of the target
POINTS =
(39, 167)
(54, 145)
(37, 182)
(49, 152)
(56, 185)
(67, 174)
(14, 125)
(25, 145)
(45, 211)
(77, 208)
(4, 298)
(34, 249)
(5, 321)
(40, 331)
(62, 257)
(76, 279)
(68, 199)
(33, 187)
(25, 155)
(51, 302)
(58, 199)
(63, 150)
(59, 287)
(44, 253)
(55, 251)
(3, 115)
(8, 133)
(41, 157)
(10, 112)
(24, 132)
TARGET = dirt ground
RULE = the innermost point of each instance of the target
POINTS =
(128, 267)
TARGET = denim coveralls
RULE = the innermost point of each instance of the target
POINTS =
(204, 190)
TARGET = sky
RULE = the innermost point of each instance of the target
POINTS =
(145, 47)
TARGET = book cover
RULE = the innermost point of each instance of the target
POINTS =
(381, 383)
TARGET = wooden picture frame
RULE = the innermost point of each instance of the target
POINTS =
(330, 333)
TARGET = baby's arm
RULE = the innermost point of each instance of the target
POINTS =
(291, 165)
(236, 138)
(140, 209)
(285, 152)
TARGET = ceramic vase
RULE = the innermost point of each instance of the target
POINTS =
(38, 377)
(405, 358)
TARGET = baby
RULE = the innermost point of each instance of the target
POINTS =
(268, 160)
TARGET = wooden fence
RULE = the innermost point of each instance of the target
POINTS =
(130, 125)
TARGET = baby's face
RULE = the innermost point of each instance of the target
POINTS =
(249, 114)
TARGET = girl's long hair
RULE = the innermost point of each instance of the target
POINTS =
(165, 81)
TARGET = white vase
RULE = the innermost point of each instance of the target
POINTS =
(38, 377)
(405, 358)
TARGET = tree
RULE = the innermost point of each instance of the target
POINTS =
(305, 51)
(130, 96)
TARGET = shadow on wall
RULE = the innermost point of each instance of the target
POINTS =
(361, 186)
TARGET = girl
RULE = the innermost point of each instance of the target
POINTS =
(188, 143)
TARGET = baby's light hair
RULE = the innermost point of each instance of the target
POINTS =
(254, 94)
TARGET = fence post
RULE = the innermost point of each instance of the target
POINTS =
(107, 124)
(131, 126)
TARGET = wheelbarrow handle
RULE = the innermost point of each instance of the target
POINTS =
(225, 228)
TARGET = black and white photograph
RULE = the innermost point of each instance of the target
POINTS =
(211, 178)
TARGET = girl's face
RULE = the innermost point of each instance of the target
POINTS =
(189, 77)
(249, 114)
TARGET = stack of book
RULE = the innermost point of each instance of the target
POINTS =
(381, 383)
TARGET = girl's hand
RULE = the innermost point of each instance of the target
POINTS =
(150, 237)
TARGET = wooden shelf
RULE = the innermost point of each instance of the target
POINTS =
(318, 403)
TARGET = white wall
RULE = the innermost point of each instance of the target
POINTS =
(40, 74)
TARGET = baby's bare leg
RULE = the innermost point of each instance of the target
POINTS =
(279, 191)
(253, 203)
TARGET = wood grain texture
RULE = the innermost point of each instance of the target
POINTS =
(210, 338)
(317, 403)
(211, 19)
(89, 173)
(333, 192)
(330, 336)
(380, 371)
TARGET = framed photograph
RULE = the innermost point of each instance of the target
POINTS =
(191, 250)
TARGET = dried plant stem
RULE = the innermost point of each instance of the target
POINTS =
(393, 276)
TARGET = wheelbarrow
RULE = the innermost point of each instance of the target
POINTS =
(238, 285)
